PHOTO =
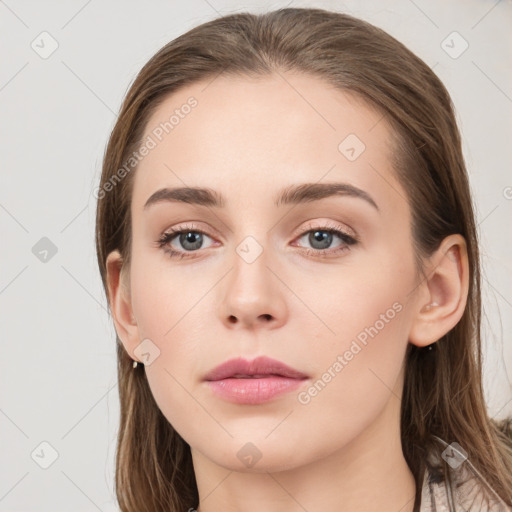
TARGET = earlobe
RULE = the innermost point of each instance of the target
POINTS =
(120, 302)
(445, 288)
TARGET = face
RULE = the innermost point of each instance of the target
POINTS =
(317, 278)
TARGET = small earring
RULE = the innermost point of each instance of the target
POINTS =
(135, 364)
(431, 305)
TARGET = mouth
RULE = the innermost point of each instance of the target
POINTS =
(262, 376)
(259, 368)
(253, 382)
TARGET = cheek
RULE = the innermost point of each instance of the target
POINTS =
(359, 366)
(362, 361)
(357, 375)
(366, 304)
(173, 313)
(166, 297)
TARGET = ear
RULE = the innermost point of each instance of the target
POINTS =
(443, 293)
(120, 302)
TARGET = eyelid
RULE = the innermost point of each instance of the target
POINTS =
(174, 231)
(192, 226)
(327, 225)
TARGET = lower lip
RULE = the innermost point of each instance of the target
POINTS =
(253, 391)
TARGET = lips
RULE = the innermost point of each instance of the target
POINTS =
(258, 368)
(253, 382)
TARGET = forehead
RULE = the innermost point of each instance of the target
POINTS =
(248, 136)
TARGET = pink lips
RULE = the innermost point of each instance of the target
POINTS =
(253, 382)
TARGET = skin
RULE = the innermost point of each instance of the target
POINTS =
(248, 139)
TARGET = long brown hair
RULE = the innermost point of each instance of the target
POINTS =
(442, 394)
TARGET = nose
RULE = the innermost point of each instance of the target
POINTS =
(252, 296)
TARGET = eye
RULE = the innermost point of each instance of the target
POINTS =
(189, 238)
(321, 239)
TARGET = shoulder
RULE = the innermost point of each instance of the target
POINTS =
(452, 484)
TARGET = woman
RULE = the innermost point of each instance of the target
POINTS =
(286, 236)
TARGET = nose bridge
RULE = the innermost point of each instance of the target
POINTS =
(252, 293)
(249, 278)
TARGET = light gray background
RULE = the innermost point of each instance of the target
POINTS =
(57, 363)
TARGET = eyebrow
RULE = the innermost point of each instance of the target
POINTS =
(292, 195)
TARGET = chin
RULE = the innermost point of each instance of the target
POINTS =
(242, 455)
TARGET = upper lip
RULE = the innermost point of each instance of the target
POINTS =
(262, 365)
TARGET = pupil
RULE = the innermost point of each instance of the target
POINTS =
(321, 236)
(191, 238)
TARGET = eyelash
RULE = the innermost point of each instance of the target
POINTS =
(168, 236)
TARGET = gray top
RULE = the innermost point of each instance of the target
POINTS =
(465, 489)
